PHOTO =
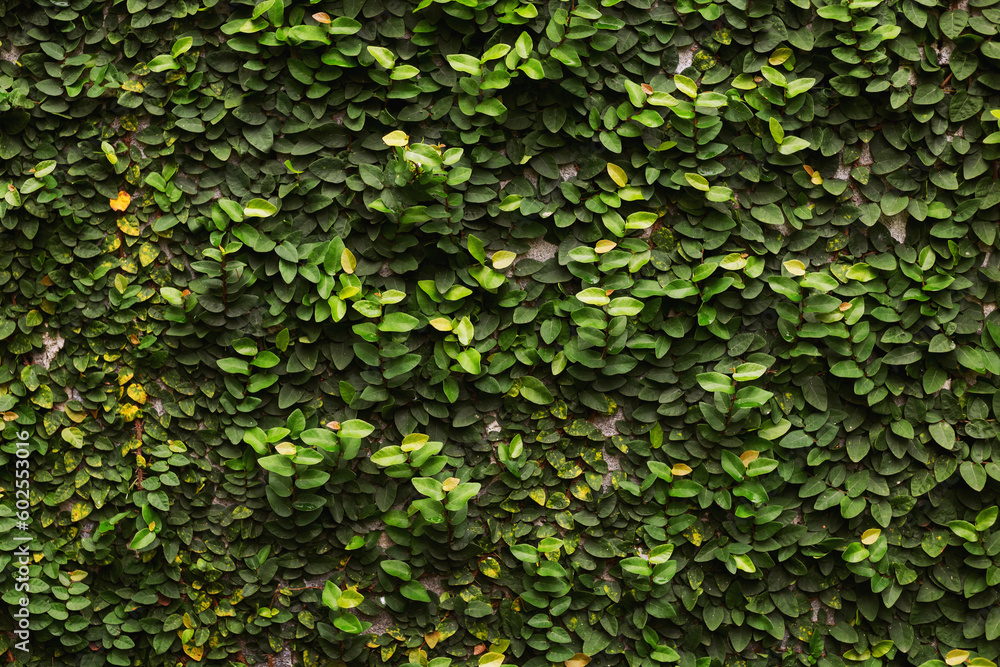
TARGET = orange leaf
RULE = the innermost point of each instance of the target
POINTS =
(322, 17)
(122, 202)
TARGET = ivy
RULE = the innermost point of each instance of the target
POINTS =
(497, 333)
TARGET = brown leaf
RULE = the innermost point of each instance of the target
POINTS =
(322, 17)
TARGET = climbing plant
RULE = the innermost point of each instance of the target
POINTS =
(497, 332)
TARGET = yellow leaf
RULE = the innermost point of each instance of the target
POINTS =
(449, 484)
(441, 324)
(491, 659)
(137, 393)
(286, 448)
(195, 652)
(347, 261)
(749, 456)
(870, 536)
(538, 495)
(795, 267)
(396, 138)
(956, 657)
(129, 225)
(79, 511)
(78, 575)
(490, 567)
(121, 202)
(503, 258)
(779, 56)
(693, 535)
(321, 17)
(432, 638)
(578, 660)
(604, 246)
(681, 469)
(132, 86)
(617, 175)
(148, 253)
(128, 411)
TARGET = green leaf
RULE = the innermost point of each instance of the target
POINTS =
(686, 85)
(777, 132)
(429, 487)
(469, 360)
(396, 568)
(142, 539)
(965, 530)
(259, 208)
(414, 590)
(459, 496)
(624, 306)
(752, 397)
(697, 181)
(234, 365)
(350, 598)
(855, 553)
(594, 296)
(331, 594)
(716, 382)
(398, 322)
(382, 56)
(792, 145)
(533, 390)
(350, 624)
(476, 249)
(748, 371)
(389, 456)
(320, 437)
(343, 25)
(943, 434)
(181, 46)
(799, 86)
(732, 464)
(278, 464)
(355, 428)
(465, 64)
(162, 63)
(743, 563)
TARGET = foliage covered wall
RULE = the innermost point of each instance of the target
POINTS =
(499, 332)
